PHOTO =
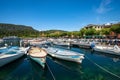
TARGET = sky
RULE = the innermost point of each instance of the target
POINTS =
(69, 15)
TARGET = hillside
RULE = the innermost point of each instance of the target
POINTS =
(17, 30)
(12, 27)
(53, 31)
(26, 31)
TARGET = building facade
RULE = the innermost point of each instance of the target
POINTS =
(98, 27)
(104, 26)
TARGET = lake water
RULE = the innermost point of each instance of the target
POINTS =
(95, 66)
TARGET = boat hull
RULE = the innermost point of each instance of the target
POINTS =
(74, 58)
(85, 46)
(7, 58)
(107, 51)
(40, 60)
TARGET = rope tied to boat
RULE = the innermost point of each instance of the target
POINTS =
(51, 72)
(103, 68)
(67, 67)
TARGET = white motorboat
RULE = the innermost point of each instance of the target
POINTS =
(65, 54)
(38, 55)
(107, 49)
(62, 43)
(11, 55)
(3, 48)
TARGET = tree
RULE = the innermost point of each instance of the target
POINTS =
(105, 31)
(82, 32)
(75, 34)
(115, 28)
(69, 34)
(98, 32)
(90, 31)
(62, 34)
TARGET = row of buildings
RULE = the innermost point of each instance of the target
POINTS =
(100, 27)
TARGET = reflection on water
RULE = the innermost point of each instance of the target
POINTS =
(115, 58)
(103, 60)
(71, 66)
(93, 67)
(7, 70)
(37, 72)
(61, 71)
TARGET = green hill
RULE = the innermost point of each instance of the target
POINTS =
(17, 30)
(53, 31)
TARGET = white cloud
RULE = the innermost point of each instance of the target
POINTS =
(104, 6)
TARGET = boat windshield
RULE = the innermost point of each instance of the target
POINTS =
(3, 50)
(9, 50)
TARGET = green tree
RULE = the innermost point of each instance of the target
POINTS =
(98, 32)
(90, 31)
(76, 34)
(82, 32)
(105, 31)
(115, 28)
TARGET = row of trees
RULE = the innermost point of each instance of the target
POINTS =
(105, 31)
(19, 33)
(92, 31)
(86, 32)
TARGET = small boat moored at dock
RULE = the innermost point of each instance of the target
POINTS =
(115, 50)
(11, 55)
(38, 55)
(3, 48)
(65, 54)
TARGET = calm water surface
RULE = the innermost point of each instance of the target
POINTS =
(95, 66)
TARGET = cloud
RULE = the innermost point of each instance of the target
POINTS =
(104, 6)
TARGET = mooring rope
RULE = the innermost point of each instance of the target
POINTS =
(51, 72)
(31, 67)
(103, 68)
(67, 67)
(64, 66)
